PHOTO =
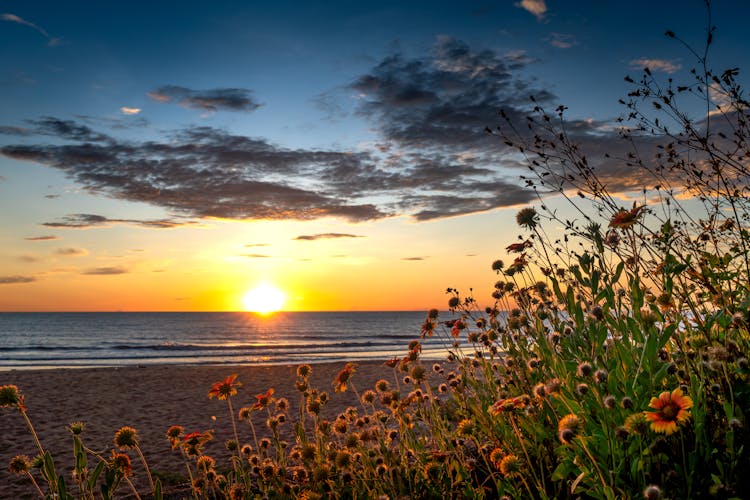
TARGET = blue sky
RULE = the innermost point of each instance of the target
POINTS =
(326, 118)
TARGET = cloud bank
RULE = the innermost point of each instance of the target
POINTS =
(432, 159)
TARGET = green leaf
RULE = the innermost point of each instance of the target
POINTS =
(95, 474)
(157, 490)
(563, 470)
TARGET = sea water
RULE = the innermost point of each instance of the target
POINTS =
(51, 340)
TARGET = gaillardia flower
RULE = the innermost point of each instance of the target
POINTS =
(339, 384)
(263, 400)
(126, 438)
(671, 409)
(225, 388)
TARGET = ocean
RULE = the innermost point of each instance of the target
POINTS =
(55, 340)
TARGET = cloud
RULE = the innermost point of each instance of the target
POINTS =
(72, 252)
(213, 100)
(29, 258)
(536, 7)
(204, 172)
(562, 40)
(51, 41)
(11, 280)
(253, 245)
(432, 158)
(663, 65)
(325, 236)
(414, 258)
(129, 111)
(104, 271)
(42, 238)
(444, 102)
(87, 221)
(256, 255)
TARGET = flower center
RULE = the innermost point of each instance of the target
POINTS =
(670, 411)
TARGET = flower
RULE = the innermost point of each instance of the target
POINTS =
(120, 463)
(510, 404)
(671, 409)
(509, 465)
(193, 442)
(465, 427)
(225, 388)
(568, 428)
(339, 383)
(263, 400)
(126, 438)
(10, 396)
(304, 371)
(636, 424)
(173, 435)
(392, 363)
(20, 464)
(527, 217)
(625, 218)
(518, 247)
(76, 428)
(652, 492)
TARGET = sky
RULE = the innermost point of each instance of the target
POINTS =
(157, 156)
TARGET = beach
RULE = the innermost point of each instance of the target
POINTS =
(149, 399)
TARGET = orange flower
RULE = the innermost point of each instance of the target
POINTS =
(671, 409)
(510, 404)
(339, 384)
(392, 363)
(225, 388)
(263, 400)
(518, 247)
(120, 463)
(625, 218)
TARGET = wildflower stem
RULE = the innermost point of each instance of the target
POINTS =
(36, 485)
(132, 487)
(234, 425)
(33, 432)
(145, 466)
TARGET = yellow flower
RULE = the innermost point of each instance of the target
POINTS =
(671, 409)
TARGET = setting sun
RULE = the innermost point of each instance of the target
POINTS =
(264, 298)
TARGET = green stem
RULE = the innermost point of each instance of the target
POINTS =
(145, 466)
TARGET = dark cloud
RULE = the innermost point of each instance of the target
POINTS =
(41, 238)
(72, 252)
(444, 102)
(414, 258)
(104, 271)
(205, 172)
(324, 236)
(87, 221)
(433, 158)
(226, 99)
(11, 280)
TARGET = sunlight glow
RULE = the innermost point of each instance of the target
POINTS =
(264, 299)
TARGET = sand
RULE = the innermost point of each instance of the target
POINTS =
(150, 399)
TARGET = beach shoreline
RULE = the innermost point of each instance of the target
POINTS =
(150, 398)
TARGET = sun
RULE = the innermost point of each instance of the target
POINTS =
(264, 299)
